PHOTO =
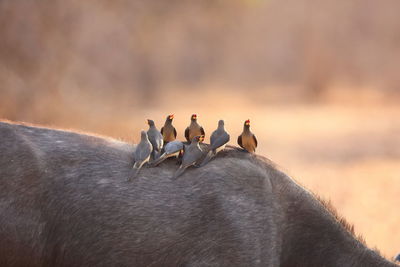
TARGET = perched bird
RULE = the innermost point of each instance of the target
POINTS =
(155, 138)
(192, 154)
(247, 139)
(168, 131)
(218, 140)
(194, 129)
(142, 154)
(171, 149)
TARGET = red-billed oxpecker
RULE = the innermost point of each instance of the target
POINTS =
(219, 138)
(168, 131)
(247, 140)
(192, 154)
(194, 129)
(155, 138)
(171, 149)
(142, 154)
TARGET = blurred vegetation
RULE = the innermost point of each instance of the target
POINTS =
(57, 53)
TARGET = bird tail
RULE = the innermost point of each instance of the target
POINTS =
(179, 172)
(134, 171)
(159, 160)
(208, 157)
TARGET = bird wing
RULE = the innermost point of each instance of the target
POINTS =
(191, 156)
(187, 155)
(178, 146)
(156, 139)
(160, 140)
(220, 141)
(152, 137)
(187, 134)
(160, 143)
(202, 131)
(154, 143)
(144, 152)
(174, 132)
(159, 160)
(239, 141)
(255, 139)
(214, 136)
(197, 156)
(173, 147)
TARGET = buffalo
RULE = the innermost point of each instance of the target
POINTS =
(65, 201)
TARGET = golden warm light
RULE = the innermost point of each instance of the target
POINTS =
(319, 80)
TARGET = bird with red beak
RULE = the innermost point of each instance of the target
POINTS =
(192, 154)
(247, 140)
(168, 131)
(194, 129)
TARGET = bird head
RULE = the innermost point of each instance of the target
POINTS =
(198, 139)
(221, 123)
(201, 138)
(171, 117)
(247, 123)
(150, 122)
(143, 135)
(194, 117)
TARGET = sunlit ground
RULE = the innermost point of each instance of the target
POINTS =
(349, 154)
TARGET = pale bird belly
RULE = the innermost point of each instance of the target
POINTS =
(248, 144)
(173, 155)
(194, 132)
(220, 148)
(169, 136)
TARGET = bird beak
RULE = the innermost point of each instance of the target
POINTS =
(171, 116)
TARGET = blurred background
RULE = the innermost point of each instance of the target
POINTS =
(319, 81)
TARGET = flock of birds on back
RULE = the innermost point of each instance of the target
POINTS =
(155, 146)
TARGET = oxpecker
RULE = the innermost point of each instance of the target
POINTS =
(219, 138)
(171, 149)
(155, 138)
(168, 131)
(191, 155)
(247, 140)
(142, 154)
(194, 129)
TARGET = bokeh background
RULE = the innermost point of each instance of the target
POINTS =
(318, 79)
